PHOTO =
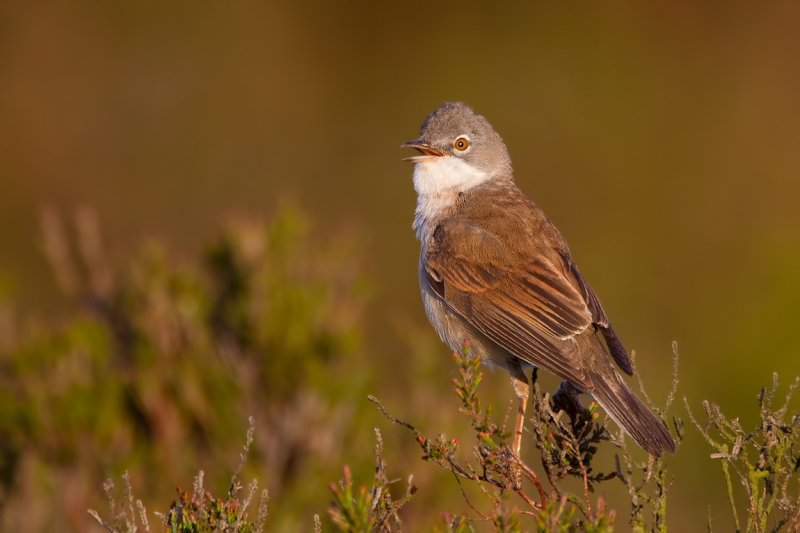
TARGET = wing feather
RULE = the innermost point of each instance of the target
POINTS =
(600, 319)
(528, 307)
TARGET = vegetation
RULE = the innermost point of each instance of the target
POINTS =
(199, 512)
(152, 379)
(159, 367)
(766, 461)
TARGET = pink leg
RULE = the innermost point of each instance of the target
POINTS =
(522, 389)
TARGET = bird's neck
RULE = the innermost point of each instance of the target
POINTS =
(431, 208)
(438, 184)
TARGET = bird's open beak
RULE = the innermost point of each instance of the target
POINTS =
(428, 152)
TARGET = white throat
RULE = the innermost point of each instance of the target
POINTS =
(438, 180)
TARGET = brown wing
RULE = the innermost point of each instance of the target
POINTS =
(599, 317)
(529, 307)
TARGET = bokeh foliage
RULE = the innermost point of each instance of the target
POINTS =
(162, 362)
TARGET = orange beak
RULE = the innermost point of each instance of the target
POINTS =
(424, 148)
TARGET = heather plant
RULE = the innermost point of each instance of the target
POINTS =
(358, 509)
(160, 360)
(513, 497)
(765, 461)
(568, 437)
(198, 512)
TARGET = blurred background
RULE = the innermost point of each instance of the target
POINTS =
(663, 140)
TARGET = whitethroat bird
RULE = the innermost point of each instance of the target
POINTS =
(493, 269)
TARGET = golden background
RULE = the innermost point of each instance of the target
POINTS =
(663, 139)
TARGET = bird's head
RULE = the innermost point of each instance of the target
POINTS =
(457, 149)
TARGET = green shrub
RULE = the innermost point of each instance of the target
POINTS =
(161, 361)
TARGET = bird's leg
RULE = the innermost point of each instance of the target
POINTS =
(522, 389)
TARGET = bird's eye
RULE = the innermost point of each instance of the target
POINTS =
(461, 144)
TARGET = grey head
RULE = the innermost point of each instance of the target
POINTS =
(455, 130)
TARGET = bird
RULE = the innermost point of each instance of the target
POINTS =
(494, 270)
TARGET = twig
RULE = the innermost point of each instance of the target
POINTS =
(235, 484)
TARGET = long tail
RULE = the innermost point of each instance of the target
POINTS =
(631, 414)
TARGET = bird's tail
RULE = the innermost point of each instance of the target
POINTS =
(631, 414)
